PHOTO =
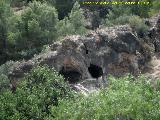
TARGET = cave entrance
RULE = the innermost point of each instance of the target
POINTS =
(70, 75)
(95, 71)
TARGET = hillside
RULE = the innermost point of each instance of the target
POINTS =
(66, 60)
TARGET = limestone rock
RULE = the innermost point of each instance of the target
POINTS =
(154, 32)
(114, 50)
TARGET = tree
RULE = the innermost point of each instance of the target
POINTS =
(4, 15)
(39, 22)
(76, 17)
(141, 10)
(138, 25)
(34, 28)
(117, 15)
(155, 7)
(35, 95)
(63, 7)
(74, 24)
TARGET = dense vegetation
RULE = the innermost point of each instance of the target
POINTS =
(26, 26)
(43, 95)
(125, 99)
(34, 96)
(23, 33)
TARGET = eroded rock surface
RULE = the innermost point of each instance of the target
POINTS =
(114, 50)
(154, 32)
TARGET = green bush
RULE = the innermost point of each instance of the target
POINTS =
(141, 10)
(125, 98)
(74, 24)
(5, 68)
(119, 14)
(116, 12)
(155, 8)
(64, 27)
(38, 25)
(138, 25)
(5, 13)
(35, 27)
(63, 7)
(44, 95)
(122, 20)
(39, 90)
(29, 31)
(4, 83)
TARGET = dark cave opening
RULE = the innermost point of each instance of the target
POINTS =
(95, 71)
(71, 75)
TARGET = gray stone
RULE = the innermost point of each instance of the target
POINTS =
(105, 51)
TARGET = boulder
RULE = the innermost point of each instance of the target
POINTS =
(93, 19)
(114, 50)
(154, 32)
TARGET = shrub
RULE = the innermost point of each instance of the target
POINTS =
(74, 24)
(122, 19)
(39, 90)
(5, 12)
(8, 106)
(119, 14)
(125, 98)
(138, 25)
(4, 83)
(64, 27)
(116, 12)
(5, 68)
(141, 10)
(30, 30)
(35, 27)
(63, 7)
(118, 21)
(155, 7)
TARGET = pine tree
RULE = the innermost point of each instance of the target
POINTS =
(35, 26)
(74, 24)
(4, 15)
(155, 7)
(76, 17)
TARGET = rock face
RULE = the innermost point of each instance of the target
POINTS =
(154, 32)
(94, 14)
(114, 50)
(92, 19)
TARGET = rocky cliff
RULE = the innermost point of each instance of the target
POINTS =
(111, 50)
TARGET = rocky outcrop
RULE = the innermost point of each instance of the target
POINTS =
(94, 13)
(154, 32)
(114, 50)
(93, 19)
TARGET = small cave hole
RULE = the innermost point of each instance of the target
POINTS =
(95, 71)
(71, 75)
(86, 51)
